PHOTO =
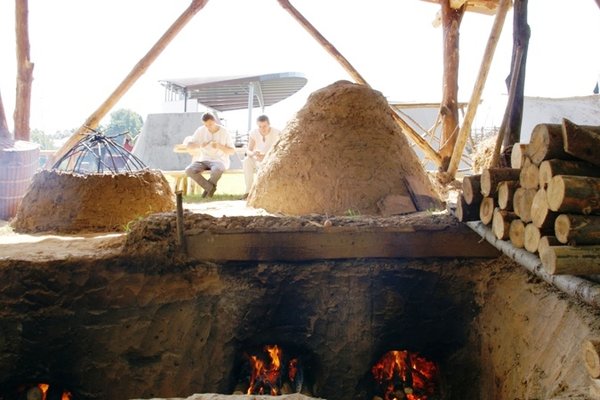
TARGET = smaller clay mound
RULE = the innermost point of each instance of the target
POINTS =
(343, 154)
(65, 202)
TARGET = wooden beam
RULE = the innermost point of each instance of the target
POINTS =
(451, 19)
(24, 72)
(582, 142)
(138, 70)
(330, 48)
(338, 243)
(488, 56)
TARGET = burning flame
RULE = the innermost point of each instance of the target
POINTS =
(405, 375)
(44, 389)
(266, 375)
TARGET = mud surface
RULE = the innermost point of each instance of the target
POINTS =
(343, 151)
(68, 203)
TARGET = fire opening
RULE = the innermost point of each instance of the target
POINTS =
(401, 374)
(270, 371)
(41, 391)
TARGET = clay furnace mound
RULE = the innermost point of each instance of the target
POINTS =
(65, 202)
(342, 154)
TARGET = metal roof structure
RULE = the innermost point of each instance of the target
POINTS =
(238, 92)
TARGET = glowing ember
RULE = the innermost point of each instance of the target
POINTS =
(402, 375)
(267, 375)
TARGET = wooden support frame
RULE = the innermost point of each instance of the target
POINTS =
(330, 48)
(451, 19)
(24, 72)
(138, 70)
(488, 56)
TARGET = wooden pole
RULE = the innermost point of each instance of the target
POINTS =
(486, 210)
(516, 233)
(506, 192)
(451, 19)
(491, 177)
(521, 35)
(574, 194)
(529, 178)
(465, 130)
(501, 223)
(471, 186)
(517, 156)
(550, 168)
(24, 72)
(467, 211)
(330, 48)
(577, 229)
(546, 143)
(138, 70)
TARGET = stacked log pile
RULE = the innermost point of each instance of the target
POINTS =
(591, 359)
(548, 202)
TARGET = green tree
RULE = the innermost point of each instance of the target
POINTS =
(45, 141)
(124, 120)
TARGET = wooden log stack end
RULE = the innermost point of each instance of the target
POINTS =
(541, 216)
(522, 201)
(516, 233)
(569, 260)
(491, 177)
(550, 168)
(529, 177)
(486, 210)
(576, 229)
(574, 194)
(471, 188)
(501, 223)
(582, 142)
(546, 143)
(590, 350)
(466, 212)
(506, 192)
(518, 154)
(533, 235)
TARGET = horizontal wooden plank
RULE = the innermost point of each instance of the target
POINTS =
(403, 242)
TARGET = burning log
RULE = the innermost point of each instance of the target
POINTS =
(591, 356)
(529, 177)
(522, 201)
(577, 229)
(574, 194)
(550, 168)
(471, 189)
(486, 210)
(501, 223)
(582, 142)
(516, 233)
(518, 154)
(541, 216)
(569, 260)
(269, 374)
(466, 212)
(546, 143)
(491, 177)
(506, 192)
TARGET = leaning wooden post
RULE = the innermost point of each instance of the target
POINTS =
(137, 71)
(330, 48)
(24, 72)
(488, 56)
(451, 19)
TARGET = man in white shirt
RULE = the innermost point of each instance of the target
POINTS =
(259, 142)
(212, 145)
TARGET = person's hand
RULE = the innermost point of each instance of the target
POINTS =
(193, 145)
(259, 157)
(215, 145)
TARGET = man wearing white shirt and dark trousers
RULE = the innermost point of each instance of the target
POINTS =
(215, 146)
(259, 142)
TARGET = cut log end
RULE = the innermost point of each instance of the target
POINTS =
(516, 233)
(591, 358)
(486, 210)
(471, 186)
(501, 223)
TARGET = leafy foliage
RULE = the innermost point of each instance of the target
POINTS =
(124, 120)
(45, 141)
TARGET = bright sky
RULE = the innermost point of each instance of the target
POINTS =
(83, 49)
